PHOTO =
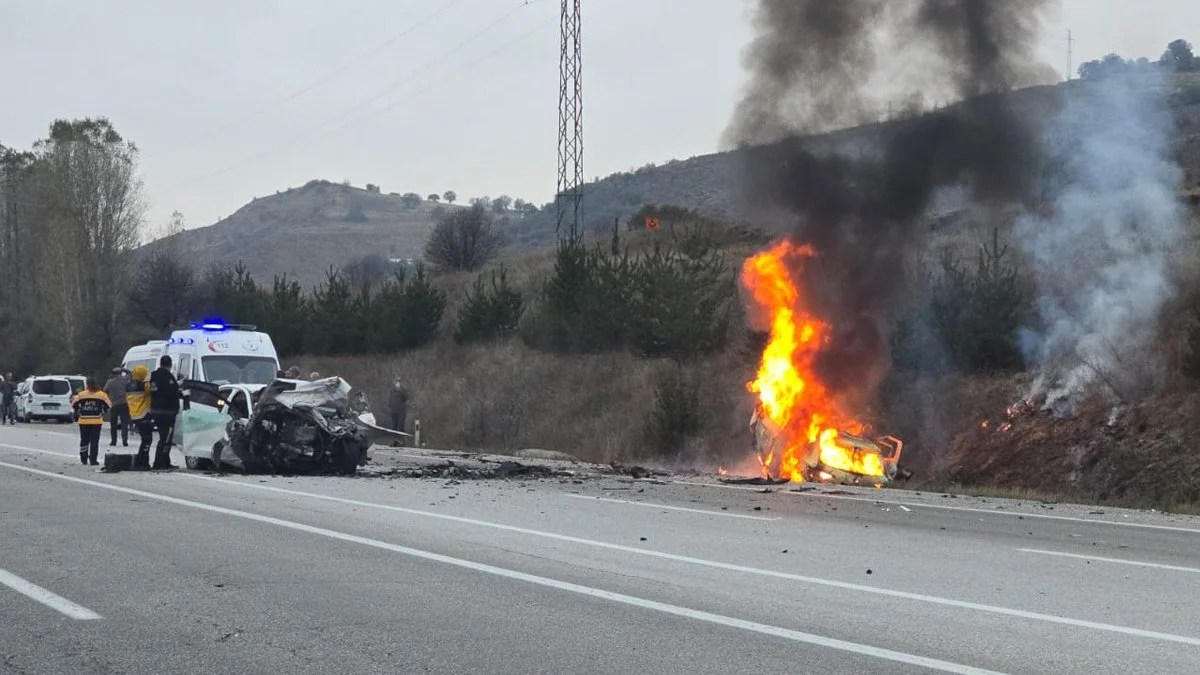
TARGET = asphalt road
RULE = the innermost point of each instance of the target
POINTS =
(189, 572)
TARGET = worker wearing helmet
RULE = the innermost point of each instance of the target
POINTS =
(137, 397)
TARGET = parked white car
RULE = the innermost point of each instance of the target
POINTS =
(46, 397)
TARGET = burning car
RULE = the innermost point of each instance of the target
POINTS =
(804, 428)
(833, 457)
(288, 426)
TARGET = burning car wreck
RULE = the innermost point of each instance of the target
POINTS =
(288, 426)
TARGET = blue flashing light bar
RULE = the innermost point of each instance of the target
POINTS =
(216, 325)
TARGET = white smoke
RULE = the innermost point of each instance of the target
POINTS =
(1101, 251)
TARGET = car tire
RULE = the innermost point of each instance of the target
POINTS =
(198, 463)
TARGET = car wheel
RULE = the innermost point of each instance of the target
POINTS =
(198, 463)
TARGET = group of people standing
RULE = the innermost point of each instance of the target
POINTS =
(149, 402)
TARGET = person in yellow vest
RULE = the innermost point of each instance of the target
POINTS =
(137, 397)
(90, 405)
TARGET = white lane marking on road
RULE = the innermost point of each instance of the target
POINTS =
(51, 600)
(946, 507)
(1121, 561)
(39, 450)
(676, 610)
(670, 508)
(816, 581)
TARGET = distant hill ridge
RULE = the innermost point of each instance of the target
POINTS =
(303, 231)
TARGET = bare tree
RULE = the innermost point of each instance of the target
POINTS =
(463, 239)
(88, 201)
(164, 290)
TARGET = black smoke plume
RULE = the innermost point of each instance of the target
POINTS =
(859, 196)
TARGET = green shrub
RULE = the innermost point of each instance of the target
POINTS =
(489, 312)
(970, 320)
(676, 416)
(680, 302)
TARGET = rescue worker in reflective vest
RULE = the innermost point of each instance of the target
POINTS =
(90, 405)
(137, 397)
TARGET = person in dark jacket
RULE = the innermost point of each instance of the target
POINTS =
(8, 399)
(164, 410)
(90, 405)
(398, 404)
(119, 415)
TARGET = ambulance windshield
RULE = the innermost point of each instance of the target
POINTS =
(239, 369)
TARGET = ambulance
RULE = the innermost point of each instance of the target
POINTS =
(216, 363)
(212, 351)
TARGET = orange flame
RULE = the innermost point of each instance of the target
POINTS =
(804, 413)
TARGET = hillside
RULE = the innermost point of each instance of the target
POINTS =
(302, 231)
(711, 184)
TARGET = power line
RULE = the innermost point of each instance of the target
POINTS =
(355, 115)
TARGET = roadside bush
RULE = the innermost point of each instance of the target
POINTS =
(676, 416)
(673, 302)
(489, 312)
(335, 322)
(680, 304)
(970, 320)
(584, 302)
(422, 307)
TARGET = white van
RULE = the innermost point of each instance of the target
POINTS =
(48, 397)
(212, 351)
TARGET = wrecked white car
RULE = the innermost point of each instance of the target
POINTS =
(288, 426)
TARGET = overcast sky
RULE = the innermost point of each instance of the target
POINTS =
(231, 99)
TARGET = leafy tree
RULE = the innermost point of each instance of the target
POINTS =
(463, 239)
(484, 201)
(1111, 65)
(410, 200)
(450, 196)
(1179, 56)
(680, 304)
(371, 187)
(502, 204)
(425, 305)
(434, 197)
(489, 312)
(335, 324)
(584, 302)
(285, 316)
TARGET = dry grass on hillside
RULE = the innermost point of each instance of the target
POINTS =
(506, 396)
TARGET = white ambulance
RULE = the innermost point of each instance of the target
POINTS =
(212, 351)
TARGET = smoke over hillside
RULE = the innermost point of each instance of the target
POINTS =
(1101, 254)
(816, 65)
